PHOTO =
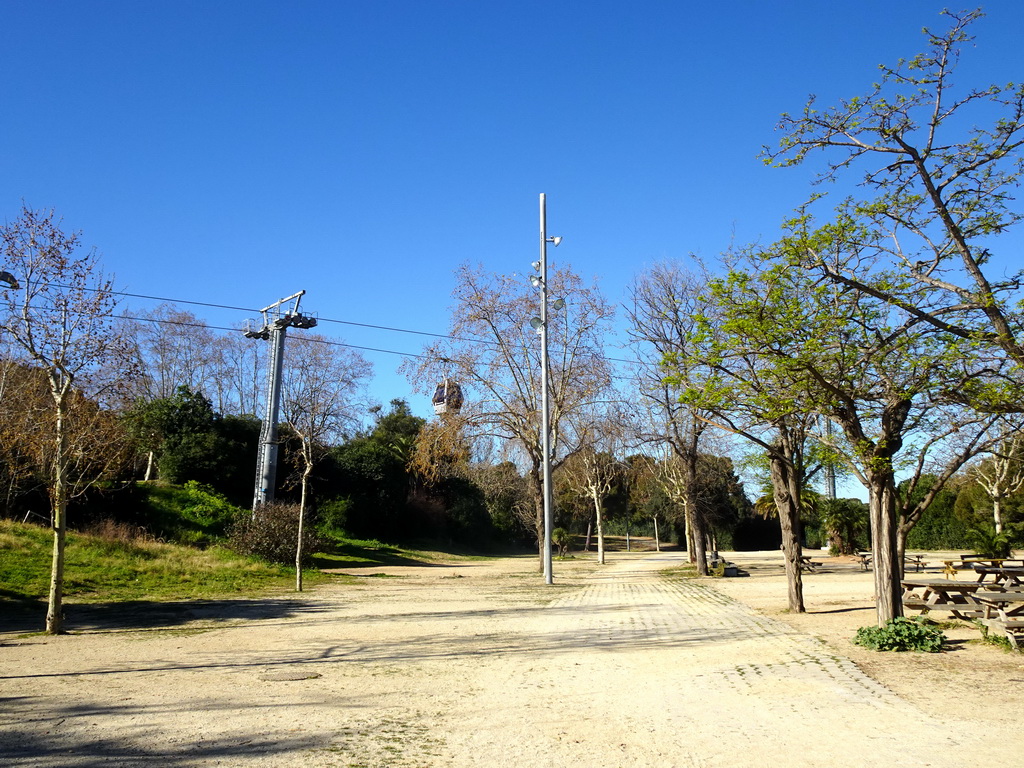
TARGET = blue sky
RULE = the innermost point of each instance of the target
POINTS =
(235, 152)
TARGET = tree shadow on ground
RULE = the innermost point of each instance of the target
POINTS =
(79, 748)
(342, 555)
(152, 614)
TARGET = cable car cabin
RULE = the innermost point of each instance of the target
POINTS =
(447, 397)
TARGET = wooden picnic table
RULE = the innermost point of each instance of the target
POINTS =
(865, 559)
(1003, 577)
(951, 567)
(1003, 611)
(969, 561)
(942, 595)
(916, 560)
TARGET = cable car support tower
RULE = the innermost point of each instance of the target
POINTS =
(276, 322)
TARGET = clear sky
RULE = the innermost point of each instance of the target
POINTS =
(235, 152)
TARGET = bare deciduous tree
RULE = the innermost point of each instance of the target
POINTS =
(322, 390)
(175, 348)
(59, 322)
(666, 305)
(593, 471)
(1002, 475)
(494, 354)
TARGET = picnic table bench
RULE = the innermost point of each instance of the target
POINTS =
(807, 564)
(942, 595)
(1002, 611)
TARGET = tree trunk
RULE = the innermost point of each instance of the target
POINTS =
(55, 603)
(696, 523)
(586, 547)
(302, 521)
(997, 515)
(59, 501)
(902, 531)
(657, 539)
(783, 487)
(599, 516)
(691, 548)
(538, 505)
(884, 547)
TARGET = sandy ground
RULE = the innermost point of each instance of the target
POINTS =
(481, 664)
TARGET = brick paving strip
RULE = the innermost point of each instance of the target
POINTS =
(613, 667)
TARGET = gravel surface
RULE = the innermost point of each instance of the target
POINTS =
(478, 663)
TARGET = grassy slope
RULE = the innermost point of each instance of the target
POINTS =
(101, 570)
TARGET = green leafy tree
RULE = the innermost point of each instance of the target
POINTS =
(941, 164)
(372, 478)
(647, 496)
(715, 369)
(846, 521)
(181, 433)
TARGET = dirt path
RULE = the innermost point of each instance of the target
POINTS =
(470, 665)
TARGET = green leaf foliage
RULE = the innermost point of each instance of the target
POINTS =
(902, 634)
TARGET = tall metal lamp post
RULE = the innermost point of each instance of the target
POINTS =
(540, 324)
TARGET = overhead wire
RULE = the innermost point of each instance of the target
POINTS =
(250, 310)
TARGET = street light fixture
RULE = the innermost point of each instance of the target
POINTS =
(540, 324)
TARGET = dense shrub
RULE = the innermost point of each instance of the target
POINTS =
(332, 517)
(207, 509)
(467, 520)
(941, 526)
(985, 541)
(562, 539)
(192, 514)
(902, 634)
(272, 534)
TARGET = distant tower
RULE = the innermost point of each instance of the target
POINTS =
(275, 325)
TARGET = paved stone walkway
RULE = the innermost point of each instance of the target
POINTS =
(622, 668)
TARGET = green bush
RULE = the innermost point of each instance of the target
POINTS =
(272, 534)
(902, 634)
(561, 539)
(193, 514)
(988, 543)
(332, 516)
(208, 509)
